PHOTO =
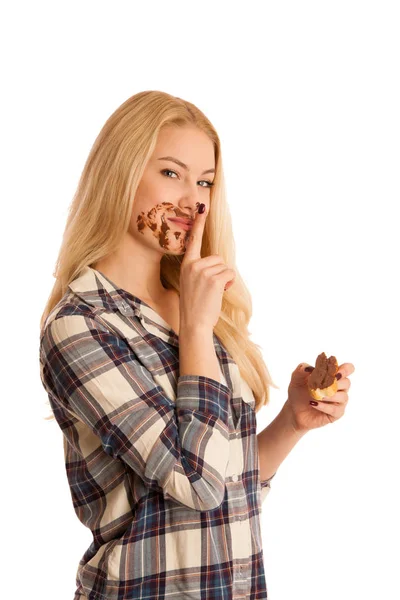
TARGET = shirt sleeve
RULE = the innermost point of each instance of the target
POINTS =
(179, 448)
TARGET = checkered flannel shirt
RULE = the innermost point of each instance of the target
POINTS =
(163, 469)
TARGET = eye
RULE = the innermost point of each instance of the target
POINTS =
(167, 171)
(210, 183)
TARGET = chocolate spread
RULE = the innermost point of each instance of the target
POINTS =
(324, 373)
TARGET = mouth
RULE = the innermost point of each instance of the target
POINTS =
(186, 224)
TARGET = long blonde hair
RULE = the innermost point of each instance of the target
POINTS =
(101, 208)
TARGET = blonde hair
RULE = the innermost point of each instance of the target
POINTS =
(101, 208)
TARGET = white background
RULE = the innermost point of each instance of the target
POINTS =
(305, 97)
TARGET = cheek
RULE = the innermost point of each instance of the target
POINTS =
(154, 222)
(153, 217)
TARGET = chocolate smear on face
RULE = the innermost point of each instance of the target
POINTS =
(158, 224)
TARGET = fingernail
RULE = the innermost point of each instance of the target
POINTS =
(313, 403)
(202, 208)
(338, 375)
(309, 369)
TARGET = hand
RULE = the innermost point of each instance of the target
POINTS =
(202, 281)
(302, 414)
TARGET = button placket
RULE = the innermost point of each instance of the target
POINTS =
(241, 571)
(240, 578)
(125, 308)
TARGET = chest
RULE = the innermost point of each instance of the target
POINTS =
(155, 353)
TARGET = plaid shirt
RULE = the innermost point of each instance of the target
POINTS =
(163, 469)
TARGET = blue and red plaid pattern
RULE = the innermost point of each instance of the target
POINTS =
(163, 469)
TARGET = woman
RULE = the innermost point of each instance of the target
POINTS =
(151, 375)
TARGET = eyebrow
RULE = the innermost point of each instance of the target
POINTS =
(181, 164)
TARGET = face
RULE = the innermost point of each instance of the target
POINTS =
(169, 190)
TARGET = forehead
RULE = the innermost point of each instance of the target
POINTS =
(189, 144)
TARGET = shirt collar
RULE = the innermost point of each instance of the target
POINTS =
(97, 290)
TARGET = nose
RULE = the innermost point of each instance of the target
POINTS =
(192, 197)
(189, 209)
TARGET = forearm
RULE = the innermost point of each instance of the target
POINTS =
(197, 353)
(275, 442)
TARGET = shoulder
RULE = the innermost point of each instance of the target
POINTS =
(70, 320)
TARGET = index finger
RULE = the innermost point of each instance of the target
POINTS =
(195, 237)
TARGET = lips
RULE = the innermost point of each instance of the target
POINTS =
(186, 224)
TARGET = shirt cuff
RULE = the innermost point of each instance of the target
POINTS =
(204, 394)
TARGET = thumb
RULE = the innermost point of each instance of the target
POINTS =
(303, 369)
(300, 375)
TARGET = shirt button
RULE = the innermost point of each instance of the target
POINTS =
(234, 478)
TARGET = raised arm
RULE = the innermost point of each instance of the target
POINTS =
(179, 448)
